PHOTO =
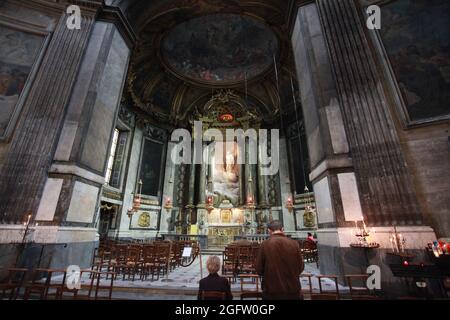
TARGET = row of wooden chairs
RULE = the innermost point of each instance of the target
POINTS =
(129, 260)
(45, 284)
(246, 293)
(356, 283)
(239, 259)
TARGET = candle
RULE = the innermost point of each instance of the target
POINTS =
(364, 225)
(394, 238)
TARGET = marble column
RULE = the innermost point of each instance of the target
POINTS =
(262, 196)
(191, 212)
(250, 191)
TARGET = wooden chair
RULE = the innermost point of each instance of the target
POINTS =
(310, 287)
(246, 260)
(118, 261)
(148, 262)
(229, 260)
(250, 279)
(108, 286)
(42, 285)
(92, 290)
(251, 295)
(327, 294)
(360, 292)
(102, 260)
(13, 283)
(162, 260)
(231, 278)
(213, 295)
(84, 293)
(132, 262)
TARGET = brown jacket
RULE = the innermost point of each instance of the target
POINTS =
(280, 262)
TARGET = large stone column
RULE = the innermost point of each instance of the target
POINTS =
(358, 169)
(387, 194)
(25, 168)
(56, 162)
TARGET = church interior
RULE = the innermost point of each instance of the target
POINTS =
(350, 108)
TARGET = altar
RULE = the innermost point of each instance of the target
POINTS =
(227, 194)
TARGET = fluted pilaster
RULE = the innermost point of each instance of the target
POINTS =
(31, 149)
(387, 194)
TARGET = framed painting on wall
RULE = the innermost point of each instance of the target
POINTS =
(415, 41)
(20, 53)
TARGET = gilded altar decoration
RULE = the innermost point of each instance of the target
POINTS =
(309, 219)
(144, 220)
(225, 215)
(226, 117)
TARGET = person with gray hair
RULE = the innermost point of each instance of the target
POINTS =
(214, 287)
(280, 262)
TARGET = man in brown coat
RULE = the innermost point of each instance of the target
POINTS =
(280, 262)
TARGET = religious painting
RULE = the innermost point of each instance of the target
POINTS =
(225, 173)
(416, 36)
(220, 48)
(150, 172)
(18, 52)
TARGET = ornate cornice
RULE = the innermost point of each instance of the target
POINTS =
(115, 15)
(292, 13)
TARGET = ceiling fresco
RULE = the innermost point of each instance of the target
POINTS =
(188, 50)
(221, 48)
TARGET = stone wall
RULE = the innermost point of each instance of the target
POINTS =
(53, 165)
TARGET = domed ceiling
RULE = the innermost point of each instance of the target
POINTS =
(189, 50)
(220, 48)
